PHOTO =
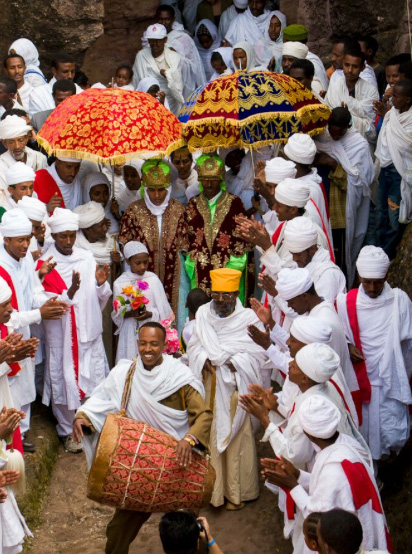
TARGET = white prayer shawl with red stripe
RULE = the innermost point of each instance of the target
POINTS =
(342, 477)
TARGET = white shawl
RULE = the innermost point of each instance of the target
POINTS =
(72, 193)
(100, 249)
(266, 48)
(206, 53)
(247, 27)
(182, 42)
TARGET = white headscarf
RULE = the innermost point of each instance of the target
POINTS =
(250, 53)
(266, 48)
(25, 48)
(147, 83)
(134, 247)
(5, 291)
(13, 126)
(301, 148)
(293, 282)
(92, 179)
(227, 55)
(308, 329)
(372, 263)
(15, 223)
(318, 361)
(295, 50)
(279, 169)
(89, 214)
(33, 208)
(206, 54)
(157, 210)
(319, 417)
(63, 220)
(300, 234)
(19, 173)
(292, 192)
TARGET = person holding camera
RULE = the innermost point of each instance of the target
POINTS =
(182, 533)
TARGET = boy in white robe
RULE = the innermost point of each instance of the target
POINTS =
(341, 477)
(221, 351)
(19, 180)
(75, 358)
(157, 308)
(378, 321)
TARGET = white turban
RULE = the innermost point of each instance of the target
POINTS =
(372, 263)
(301, 149)
(13, 126)
(68, 160)
(5, 291)
(295, 50)
(292, 192)
(319, 417)
(63, 220)
(33, 208)
(278, 169)
(308, 329)
(156, 31)
(134, 247)
(300, 234)
(89, 214)
(19, 173)
(241, 4)
(318, 361)
(293, 282)
(92, 179)
(15, 223)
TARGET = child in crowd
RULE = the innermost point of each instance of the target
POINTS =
(129, 189)
(123, 77)
(195, 299)
(96, 187)
(127, 317)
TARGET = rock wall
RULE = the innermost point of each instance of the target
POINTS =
(400, 271)
(102, 34)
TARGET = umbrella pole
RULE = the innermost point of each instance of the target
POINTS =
(113, 190)
(253, 161)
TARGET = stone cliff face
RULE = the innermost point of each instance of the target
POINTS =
(102, 34)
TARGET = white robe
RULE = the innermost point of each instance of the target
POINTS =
(189, 14)
(314, 181)
(35, 160)
(184, 190)
(226, 19)
(327, 277)
(24, 92)
(394, 146)
(127, 328)
(367, 74)
(385, 326)
(320, 71)
(101, 249)
(72, 193)
(247, 27)
(148, 389)
(352, 153)
(88, 302)
(41, 97)
(145, 66)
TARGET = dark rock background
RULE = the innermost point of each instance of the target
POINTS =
(102, 34)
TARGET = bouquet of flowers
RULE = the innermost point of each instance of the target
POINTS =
(172, 338)
(132, 298)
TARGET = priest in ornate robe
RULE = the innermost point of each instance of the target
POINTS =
(157, 221)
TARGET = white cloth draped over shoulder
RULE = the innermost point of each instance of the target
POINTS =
(101, 249)
(320, 72)
(41, 98)
(146, 65)
(221, 340)
(72, 193)
(158, 305)
(266, 48)
(247, 27)
(149, 388)
(35, 160)
(327, 277)
(394, 146)
(206, 53)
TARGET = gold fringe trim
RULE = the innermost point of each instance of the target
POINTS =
(112, 160)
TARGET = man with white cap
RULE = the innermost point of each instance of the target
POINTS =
(249, 25)
(17, 269)
(36, 211)
(229, 361)
(228, 15)
(75, 358)
(59, 185)
(14, 136)
(162, 63)
(342, 476)
(296, 288)
(301, 239)
(19, 179)
(378, 321)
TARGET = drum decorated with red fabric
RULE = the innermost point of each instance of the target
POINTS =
(135, 468)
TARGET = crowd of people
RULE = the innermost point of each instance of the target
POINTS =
(146, 277)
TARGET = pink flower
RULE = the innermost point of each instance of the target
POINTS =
(143, 285)
(116, 305)
(166, 323)
(144, 300)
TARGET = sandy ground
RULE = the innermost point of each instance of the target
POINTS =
(74, 524)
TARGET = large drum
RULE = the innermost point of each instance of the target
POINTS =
(135, 468)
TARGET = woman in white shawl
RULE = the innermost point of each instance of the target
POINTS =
(158, 308)
(130, 187)
(244, 56)
(151, 86)
(222, 62)
(271, 45)
(207, 39)
(33, 74)
(96, 186)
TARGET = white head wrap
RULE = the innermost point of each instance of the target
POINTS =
(13, 126)
(147, 83)
(293, 282)
(318, 361)
(292, 192)
(319, 417)
(156, 31)
(89, 214)
(134, 247)
(308, 329)
(372, 263)
(15, 223)
(33, 208)
(19, 173)
(227, 55)
(241, 4)
(250, 54)
(92, 179)
(279, 169)
(295, 50)
(68, 160)
(301, 148)
(63, 220)
(5, 291)
(300, 234)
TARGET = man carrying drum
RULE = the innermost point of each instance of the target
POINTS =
(163, 393)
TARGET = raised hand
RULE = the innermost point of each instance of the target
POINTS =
(74, 287)
(102, 274)
(6, 350)
(268, 398)
(264, 314)
(54, 202)
(262, 338)
(267, 284)
(47, 267)
(54, 309)
(23, 349)
(255, 406)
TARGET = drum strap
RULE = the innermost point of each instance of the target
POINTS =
(127, 389)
